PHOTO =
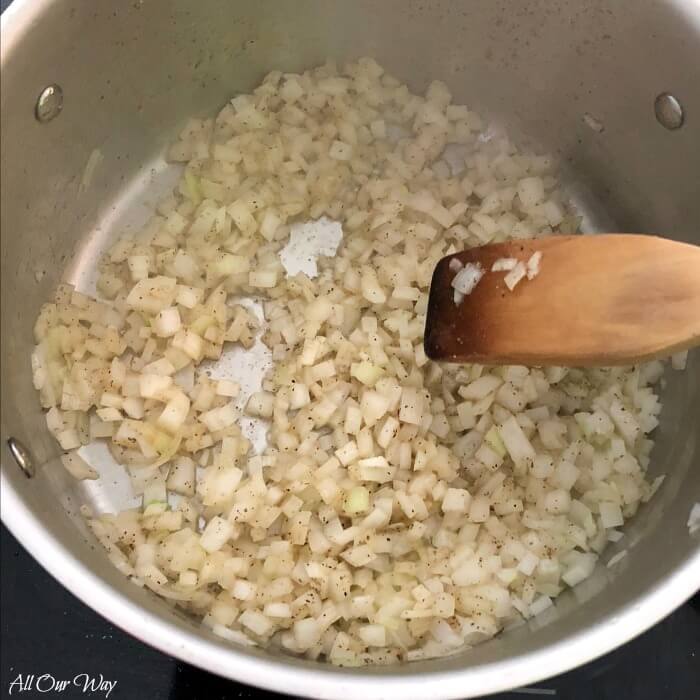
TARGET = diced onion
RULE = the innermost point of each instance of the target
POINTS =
(503, 264)
(397, 508)
(533, 264)
(467, 278)
(515, 275)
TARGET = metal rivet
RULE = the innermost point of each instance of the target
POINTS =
(668, 110)
(49, 103)
(21, 456)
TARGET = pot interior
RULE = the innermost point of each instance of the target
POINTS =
(578, 80)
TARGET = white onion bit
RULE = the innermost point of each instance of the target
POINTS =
(466, 280)
(504, 264)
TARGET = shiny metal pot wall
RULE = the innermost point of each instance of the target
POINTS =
(579, 78)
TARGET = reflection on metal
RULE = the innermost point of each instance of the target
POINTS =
(669, 112)
(22, 457)
(49, 103)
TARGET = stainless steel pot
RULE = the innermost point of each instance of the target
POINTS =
(579, 78)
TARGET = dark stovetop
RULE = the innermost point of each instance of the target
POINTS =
(45, 630)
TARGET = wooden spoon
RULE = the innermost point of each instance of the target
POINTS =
(609, 299)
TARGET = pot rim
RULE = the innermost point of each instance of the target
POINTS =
(286, 674)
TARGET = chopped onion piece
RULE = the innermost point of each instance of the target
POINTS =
(154, 386)
(679, 360)
(356, 501)
(515, 275)
(580, 568)
(467, 278)
(307, 632)
(175, 412)
(219, 418)
(516, 442)
(167, 322)
(533, 264)
(153, 294)
(503, 264)
(256, 622)
(260, 404)
(540, 605)
(366, 372)
(216, 533)
(373, 635)
(181, 476)
(610, 514)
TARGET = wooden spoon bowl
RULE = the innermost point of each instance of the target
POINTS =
(598, 300)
